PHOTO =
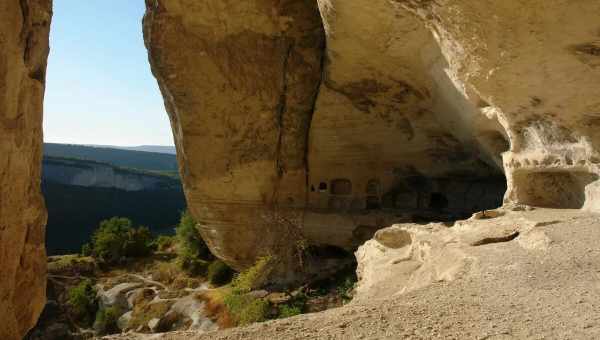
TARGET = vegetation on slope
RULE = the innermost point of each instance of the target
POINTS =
(76, 211)
(151, 161)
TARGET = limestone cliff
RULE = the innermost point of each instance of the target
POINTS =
(239, 80)
(24, 29)
(534, 67)
(102, 175)
(414, 110)
(323, 121)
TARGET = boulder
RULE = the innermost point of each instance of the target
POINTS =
(117, 295)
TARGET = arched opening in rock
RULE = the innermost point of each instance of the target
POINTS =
(109, 147)
(556, 189)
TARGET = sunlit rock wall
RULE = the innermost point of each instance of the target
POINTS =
(239, 80)
(24, 30)
(410, 110)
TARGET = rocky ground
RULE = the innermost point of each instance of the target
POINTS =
(518, 273)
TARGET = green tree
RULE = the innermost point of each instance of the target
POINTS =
(110, 238)
(116, 238)
(139, 242)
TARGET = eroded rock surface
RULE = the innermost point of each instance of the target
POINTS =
(239, 80)
(24, 29)
(502, 290)
(415, 109)
(533, 67)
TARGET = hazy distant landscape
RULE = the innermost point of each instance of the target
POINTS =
(83, 185)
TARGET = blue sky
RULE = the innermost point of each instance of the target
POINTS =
(99, 87)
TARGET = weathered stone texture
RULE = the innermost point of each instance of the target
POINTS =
(239, 80)
(533, 67)
(423, 107)
(24, 30)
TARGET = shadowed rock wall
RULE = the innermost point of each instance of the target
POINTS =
(534, 67)
(24, 29)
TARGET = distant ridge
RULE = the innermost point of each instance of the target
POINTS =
(144, 148)
(121, 157)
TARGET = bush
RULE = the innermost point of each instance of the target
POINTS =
(191, 247)
(253, 277)
(110, 238)
(82, 302)
(295, 306)
(86, 250)
(116, 238)
(219, 273)
(286, 311)
(106, 321)
(245, 308)
(163, 242)
(345, 288)
(139, 242)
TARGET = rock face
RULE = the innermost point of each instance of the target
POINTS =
(325, 121)
(423, 108)
(24, 29)
(101, 175)
(535, 68)
(240, 80)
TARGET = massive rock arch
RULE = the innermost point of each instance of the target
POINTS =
(321, 121)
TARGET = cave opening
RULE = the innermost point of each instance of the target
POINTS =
(108, 144)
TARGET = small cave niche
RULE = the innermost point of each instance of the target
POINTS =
(322, 187)
(438, 201)
(341, 186)
(552, 189)
(372, 201)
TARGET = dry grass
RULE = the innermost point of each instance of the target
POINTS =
(215, 308)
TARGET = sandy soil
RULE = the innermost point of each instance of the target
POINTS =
(507, 292)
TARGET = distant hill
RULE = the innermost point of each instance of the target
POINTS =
(145, 148)
(143, 160)
(83, 185)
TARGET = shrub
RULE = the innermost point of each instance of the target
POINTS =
(219, 273)
(286, 311)
(345, 288)
(116, 238)
(82, 302)
(110, 238)
(253, 277)
(245, 308)
(191, 247)
(139, 242)
(295, 306)
(106, 321)
(163, 242)
(86, 250)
